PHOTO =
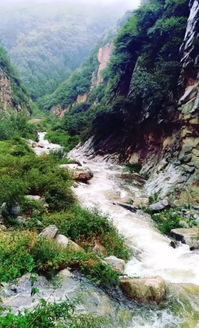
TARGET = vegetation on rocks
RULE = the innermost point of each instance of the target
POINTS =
(55, 315)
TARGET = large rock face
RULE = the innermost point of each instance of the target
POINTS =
(5, 91)
(166, 146)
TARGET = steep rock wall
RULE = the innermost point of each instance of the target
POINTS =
(5, 91)
(166, 147)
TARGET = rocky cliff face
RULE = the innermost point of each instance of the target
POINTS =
(167, 147)
(5, 91)
(103, 57)
(12, 93)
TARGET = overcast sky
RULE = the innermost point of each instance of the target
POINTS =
(129, 4)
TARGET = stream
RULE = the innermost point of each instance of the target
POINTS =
(152, 254)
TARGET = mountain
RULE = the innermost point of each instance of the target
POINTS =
(13, 94)
(47, 40)
(145, 106)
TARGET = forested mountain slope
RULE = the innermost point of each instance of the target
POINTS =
(47, 42)
(146, 108)
(13, 94)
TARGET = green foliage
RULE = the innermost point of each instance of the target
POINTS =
(22, 172)
(24, 251)
(19, 95)
(82, 226)
(54, 315)
(15, 257)
(77, 84)
(47, 43)
(13, 125)
(167, 220)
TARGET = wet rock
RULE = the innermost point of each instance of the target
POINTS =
(82, 175)
(144, 289)
(62, 240)
(189, 236)
(126, 206)
(173, 244)
(159, 206)
(77, 173)
(117, 264)
(134, 158)
(49, 232)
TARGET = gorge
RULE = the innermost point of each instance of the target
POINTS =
(99, 223)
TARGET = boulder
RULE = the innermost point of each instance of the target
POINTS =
(74, 247)
(49, 232)
(62, 240)
(77, 173)
(65, 274)
(34, 197)
(159, 206)
(189, 236)
(117, 264)
(15, 210)
(144, 289)
(83, 175)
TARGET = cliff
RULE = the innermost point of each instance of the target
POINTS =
(13, 96)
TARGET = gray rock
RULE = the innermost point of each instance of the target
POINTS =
(187, 236)
(49, 232)
(15, 210)
(144, 289)
(21, 220)
(62, 240)
(117, 264)
(126, 206)
(33, 197)
(183, 224)
(159, 206)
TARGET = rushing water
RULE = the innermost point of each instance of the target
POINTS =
(153, 254)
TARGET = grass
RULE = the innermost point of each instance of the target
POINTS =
(25, 251)
(21, 249)
(54, 315)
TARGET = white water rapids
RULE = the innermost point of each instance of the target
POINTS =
(153, 253)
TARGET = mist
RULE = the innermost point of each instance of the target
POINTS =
(124, 4)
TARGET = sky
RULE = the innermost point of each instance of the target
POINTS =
(129, 4)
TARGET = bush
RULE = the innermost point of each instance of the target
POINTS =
(15, 257)
(82, 226)
(25, 252)
(54, 315)
(167, 220)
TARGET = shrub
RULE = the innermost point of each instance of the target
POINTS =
(167, 220)
(54, 315)
(82, 226)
